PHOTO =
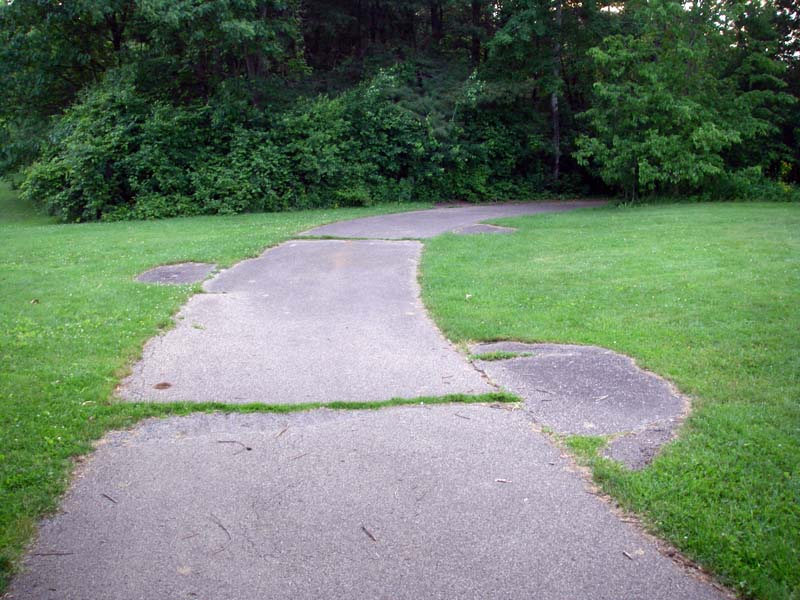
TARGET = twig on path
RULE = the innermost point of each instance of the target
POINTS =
(299, 456)
(235, 442)
(53, 553)
(219, 524)
(281, 432)
(369, 533)
(107, 497)
(463, 416)
(626, 555)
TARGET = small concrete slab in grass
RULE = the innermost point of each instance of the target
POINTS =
(482, 228)
(638, 449)
(586, 390)
(447, 501)
(178, 274)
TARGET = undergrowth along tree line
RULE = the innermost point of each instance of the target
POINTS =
(117, 109)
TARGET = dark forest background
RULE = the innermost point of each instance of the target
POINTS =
(114, 109)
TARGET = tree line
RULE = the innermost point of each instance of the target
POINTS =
(113, 109)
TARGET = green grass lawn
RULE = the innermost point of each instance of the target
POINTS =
(707, 295)
(72, 318)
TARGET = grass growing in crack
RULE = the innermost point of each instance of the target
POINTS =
(185, 408)
(705, 295)
(148, 409)
(585, 447)
(72, 318)
(499, 355)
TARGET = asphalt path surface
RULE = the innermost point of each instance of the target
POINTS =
(582, 390)
(586, 390)
(430, 223)
(308, 321)
(444, 501)
(407, 502)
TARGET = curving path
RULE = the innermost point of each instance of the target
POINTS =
(450, 501)
(319, 321)
(422, 224)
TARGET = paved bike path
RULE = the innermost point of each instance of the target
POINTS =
(308, 321)
(421, 224)
(456, 501)
(452, 502)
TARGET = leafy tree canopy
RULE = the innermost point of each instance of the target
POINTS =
(149, 108)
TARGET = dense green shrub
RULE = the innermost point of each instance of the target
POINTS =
(81, 175)
(751, 184)
(122, 109)
(114, 155)
(118, 154)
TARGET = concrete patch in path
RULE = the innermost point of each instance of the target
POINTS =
(482, 228)
(178, 274)
(415, 502)
(430, 223)
(308, 321)
(590, 391)
(638, 449)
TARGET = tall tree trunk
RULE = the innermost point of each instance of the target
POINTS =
(437, 31)
(373, 21)
(116, 27)
(476, 32)
(359, 29)
(488, 29)
(554, 108)
(411, 27)
(116, 33)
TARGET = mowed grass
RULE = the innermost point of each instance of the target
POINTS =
(72, 319)
(705, 295)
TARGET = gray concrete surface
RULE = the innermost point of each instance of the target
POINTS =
(482, 228)
(583, 389)
(308, 321)
(426, 502)
(430, 223)
(177, 274)
(458, 501)
(637, 450)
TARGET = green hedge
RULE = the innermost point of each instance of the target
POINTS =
(116, 155)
